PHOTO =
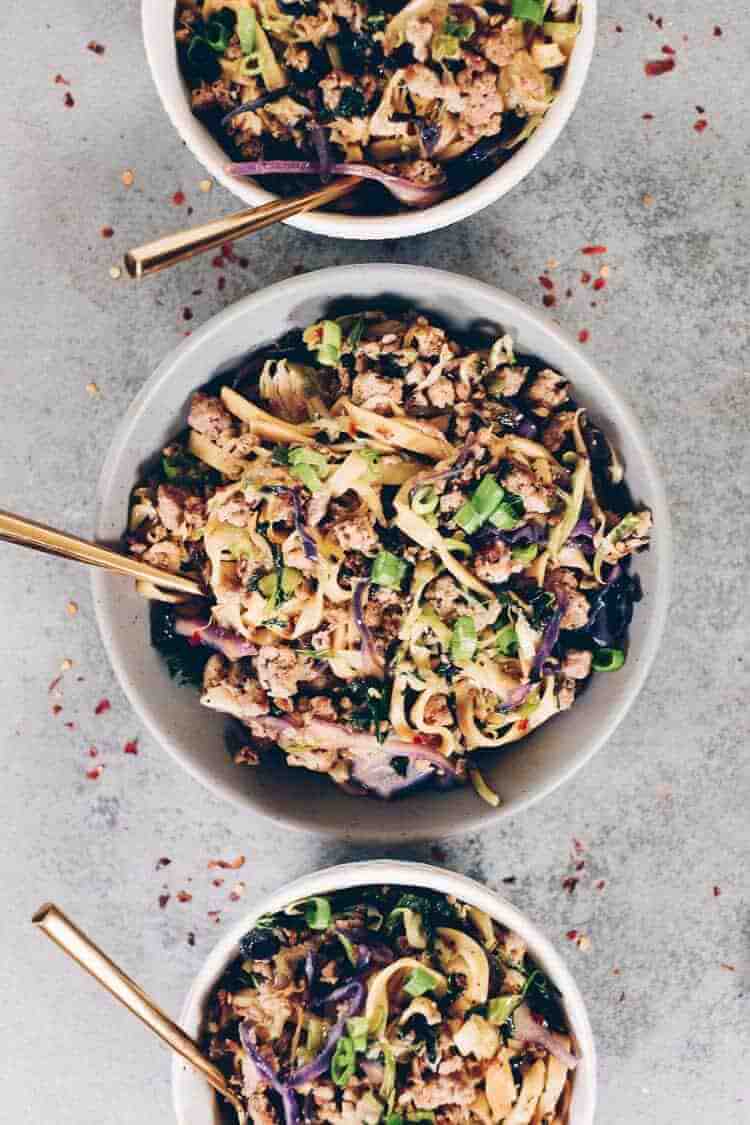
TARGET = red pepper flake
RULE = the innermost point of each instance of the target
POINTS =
(191, 938)
(243, 263)
(655, 67)
(92, 752)
(509, 879)
(217, 882)
(568, 292)
(69, 100)
(178, 198)
(546, 282)
(221, 283)
(102, 706)
(600, 283)
(700, 125)
(569, 883)
(131, 747)
(580, 864)
(227, 864)
(597, 249)
(95, 773)
(647, 116)
(717, 892)
(659, 22)
(717, 32)
(600, 885)
(56, 708)
(237, 892)
(549, 300)
(70, 726)
(578, 846)
(218, 262)
(55, 683)
(523, 726)
(60, 81)
(583, 336)
(585, 277)
(194, 640)
(163, 862)
(700, 109)
(106, 232)
(187, 313)
(667, 50)
(227, 251)
(97, 48)
(215, 914)
(618, 27)
(572, 935)
(163, 900)
(184, 896)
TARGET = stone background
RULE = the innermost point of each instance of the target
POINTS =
(662, 811)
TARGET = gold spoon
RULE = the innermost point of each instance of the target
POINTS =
(39, 537)
(60, 929)
(171, 248)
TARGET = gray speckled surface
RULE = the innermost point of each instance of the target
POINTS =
(662, 811)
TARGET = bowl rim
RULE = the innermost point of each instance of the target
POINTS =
(165, 72)
(399, 872)
(332, 281)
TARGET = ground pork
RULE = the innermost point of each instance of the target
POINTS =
(481, 104)
(422, 82)
(437, 712)
(564, 585)
(449, 1089)
(428, 338)
(170, 504)
(522, 85)
(280, 670)
(370, 384)
(557, 428)
(577, 664)
(494, 563)
(512, 379)
(441, 393)
(165, 554)
(500, 44)
(208, 415)
(521, 481)
(548, 389)
(316, 28)
(419, 33)
(357, 533)
(636, 538)
(446, 597)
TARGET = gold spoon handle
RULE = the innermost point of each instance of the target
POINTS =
(59, 928)
(165, 252)
(27, 533)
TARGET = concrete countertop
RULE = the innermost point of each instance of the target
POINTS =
(662, 812)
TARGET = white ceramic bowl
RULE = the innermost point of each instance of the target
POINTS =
(527, 770)
(158, 35)
(195, 1102)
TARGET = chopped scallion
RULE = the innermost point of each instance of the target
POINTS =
(487, 496)
(506, 641)
(246, 30)
(468, 518)
(388, 570)
(525, 554)
(419, 982)
(531, 10)
(608, 660)
(425, 500)
(464, 639)
(343, 1061)
(357, 1028)
(317, 913)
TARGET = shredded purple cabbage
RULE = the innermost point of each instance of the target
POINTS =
(354, 992)
(358, 613)
(551, 636)
(283, 1089)
(309, 545)
(612, 608)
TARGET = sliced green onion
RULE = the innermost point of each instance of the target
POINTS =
(357, 1028)
(463, 30)
(531, 10)
(501, 1008)
(445, 47)
(420, 981)
(464, 639)
(343, 1061)
(487, 496)
(317, 913)
(458, 546)
(388, 570)
(329, 352)
(506, 641)
(468, 518)
(349, 950)
(424, 500)
(387, 1089)
(307, 476)
(217, 36)
(525, 554)
(608, 660)
(301, 455)
(290, 579)
(246, 27)
(268, 585)
(508, 513)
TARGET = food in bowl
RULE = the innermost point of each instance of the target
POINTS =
(384, 1004)
(421, 100)
(414, 548)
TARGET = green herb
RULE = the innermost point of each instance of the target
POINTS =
(317, 913)
(424, 500)
(464, 639)
(182, 467)
(219, 30)
(388, 570)
(458, 30)
(506, 641)
(351, 103)
(531, 10)
(419, 982)
(501, 1008)
(280, 453)
(357, 330)
(525, 554)
(608, 660)
(343, 1061)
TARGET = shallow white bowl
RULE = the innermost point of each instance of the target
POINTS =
(195, 1102)
(158, 36)
(527, 770)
